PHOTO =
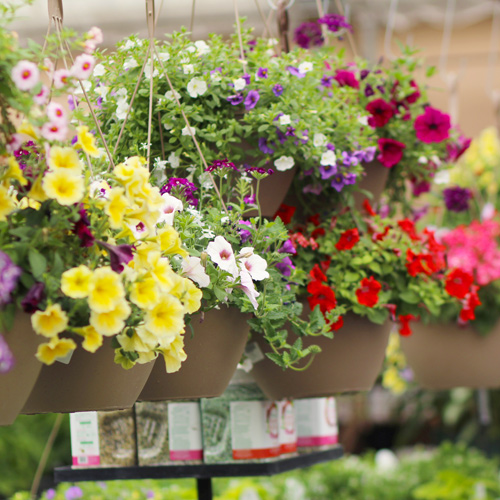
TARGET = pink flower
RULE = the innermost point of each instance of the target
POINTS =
(62, 77)
(83, 66)
(346, 78)
(193, 269)
(25, 75)
(171, 204)
(247, 285)
(391, 152)
(432, 126)
(56, 113)
(381, 112)
(221, 253)
(95, 34)
(53, 131)
(42, 97)
(254, 264)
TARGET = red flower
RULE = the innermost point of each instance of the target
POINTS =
(404, 324)
(314, 219)
(325, 264)
(391, 152)
(458, 283)
(408, 227)
(368, 208)
(381, 236)
(432, 126)
(367, 293)
(421, 263)
(346, 78)
(381, 112)
(317, 274)
(348, 239)
(470, 303)
(299, 239)
(285, 213)
(337, 325)
(410, 99)
(322, 296)
(319, 231)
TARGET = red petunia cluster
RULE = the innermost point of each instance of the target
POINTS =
(404, 324)
(460, 284)
(367, 293)
(347, 239)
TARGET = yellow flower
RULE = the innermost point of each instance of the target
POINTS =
(161, 270)
(489, 145)
(14, 172)
(116, 207)
(145, 293)
(28, 203)
(166, 319)
(393, 381)
(111, 322)
(92, 339)
(36, 192)
(27, 129)
(143, 251)
(174, 354)
(55, 349)
(122, 360)
(148, 339)
(75, 282)
(86, 141)
(7, 203)
(132, 343)
(49, 322)
(66, 158)
(189, 295)
(106, 290)
(64, 186)
(170, 242)
(146, 357)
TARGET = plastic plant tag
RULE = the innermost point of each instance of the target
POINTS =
(184, 428)
(288, 428)
(84, 439)
(316, 423)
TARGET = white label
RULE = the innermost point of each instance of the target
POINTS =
(184, 430)
(288, 428)
(84, 438)
(253, 352)
(316, 421)
(254, 429)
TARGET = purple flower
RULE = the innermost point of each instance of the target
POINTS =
(308, 35)
(251, 99)
(369, 153)
(288, 247)
(338, 182)
(330, 146)
(263, 146)
(262, 73)
(118, 255)
(50, 494)
(83, 232)
(247, 78)
(72, 102)
(350, 178)
(347, 159)
(34, 296)
(281, 136)
(249, 199)
(9, 276)
(218, 164)
(326, 81)
(290, 132)
(73, 493)
(182, 187)
(313, 189)
(457, 198)
(305, 137)
(245, 234)
(327, 171)
(364, 73)
(236, 99)
(295, 72)
(420, 187)
(369, 90)
(150, 494)
(285, 267)
(7, 361)
(335, 22)
(278, 90)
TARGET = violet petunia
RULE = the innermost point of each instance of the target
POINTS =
(252, 99)
(34, 296)
(119, 255)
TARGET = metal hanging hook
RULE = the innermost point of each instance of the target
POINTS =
(276, 6)
(55, 10)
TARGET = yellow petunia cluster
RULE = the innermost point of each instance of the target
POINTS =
(395, 363)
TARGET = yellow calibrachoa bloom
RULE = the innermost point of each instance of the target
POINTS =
(27, 129)
(133, 343)
(149, 339)
(143, 251)
(170, 241)
(57, 348)
(111, 322)
(106, 290)
(66, 158)
(7, 203)
(28, 203)
(161, 271)
(92, 339)
(125, 363)
(174, 354)
(65, 186)
(166, 319)
(14, 172)
(116, 207)
(75, 282)
(49, 322)
(86, 141)
(189, 295)
(145, 293)
(36, 192)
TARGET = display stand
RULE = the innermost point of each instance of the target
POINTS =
(202, 473)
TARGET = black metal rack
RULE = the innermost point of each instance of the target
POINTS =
(202, 473)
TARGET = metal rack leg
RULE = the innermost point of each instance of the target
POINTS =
(204, 488)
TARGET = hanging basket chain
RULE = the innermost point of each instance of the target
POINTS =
(350, 37)
(238, 28)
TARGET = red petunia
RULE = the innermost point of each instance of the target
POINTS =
(404, 324)
(368, 208)
(299, 239)
(322, 296)
(432, 126)
(317, 274)
(458, 283)
(314, 219)
(367, 293)
(382, 235)
(421, 263)
(325, 264)
(347, 239)
(337, 325)
(470, 303)
(285, 213)
(408, 227)
(319, 231)
(381, 112)
(346, 78)
(391, 152)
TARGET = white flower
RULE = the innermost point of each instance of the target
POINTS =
(121, 94)
(221, 253)
(363, 120)
(202, 47)
(83, 66)
(168, 126)
(423, 160)
(147, 70)
(272, 42)
(99, 70)
(253, 263)
(121, 109)
(196, 87)
(285, 120)
(190, 49)
(305, 67)
(284, 163)
(173, 159)
(85, 84)
(248, 287)
(159, 171)
(170, 206)
(164, 56)
(442, 177)
(192, 268)
(215, 77)
(169, 95)
(436, 160)
(208, 234)
(187, 69)
(42, 97)
(129, 44)
(386, 460)
(328, 159)
(319, 140)
(185, 131)
(102, 91)
(130, 63)
(488, 211)
(239, 84)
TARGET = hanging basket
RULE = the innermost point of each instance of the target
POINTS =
(213, 352)
(16, 385)
(89, 382)
(444, 356)
(349, 362)
(374, 181)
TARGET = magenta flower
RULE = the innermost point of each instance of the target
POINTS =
(251, 99)
(391, 152)
(308, 35)
(381, 112)
(335, 22)
(457, 198)
(346, 78)
(432, 126)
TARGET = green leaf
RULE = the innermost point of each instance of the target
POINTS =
(38, 263)
(410, 296)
